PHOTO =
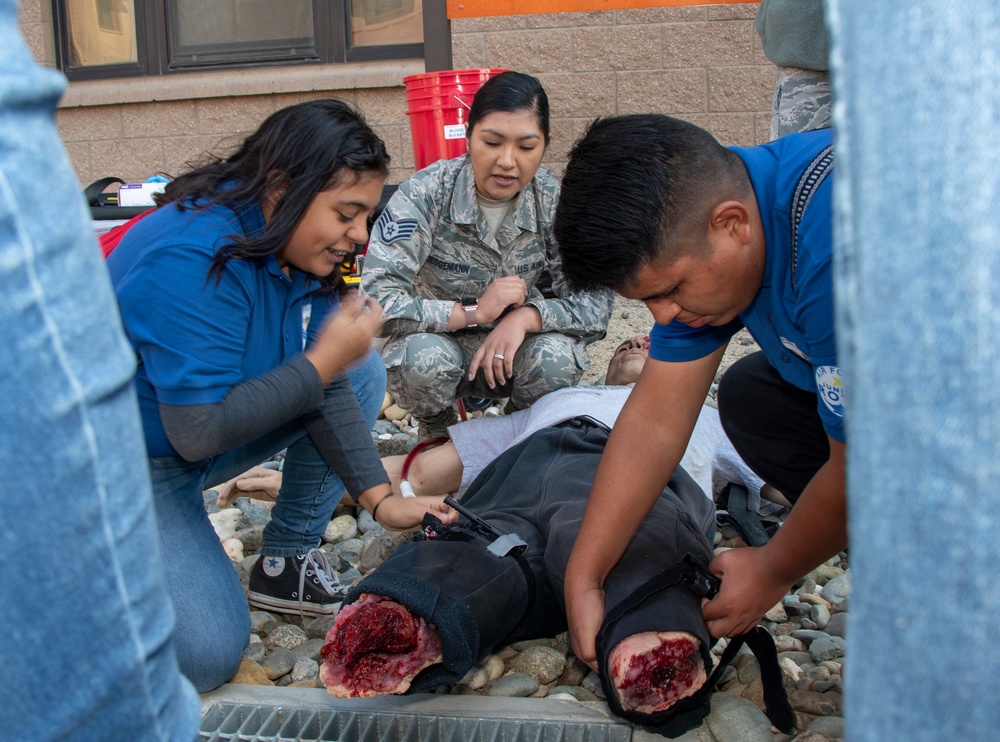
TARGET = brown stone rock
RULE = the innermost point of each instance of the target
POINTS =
(813, 599)
(285, 635)
(573, 673)
(747, 668)
(250, 673)
(494, 666)
(777, 614)
(785, 643)
(506, 652)
(825, 572)
(754, 692)
(394, 412)
(816, 704)
(545, 664)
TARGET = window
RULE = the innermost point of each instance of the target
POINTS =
(104, 33)
(122, 38)
(109, 15)
(386, 22)
(220, 31)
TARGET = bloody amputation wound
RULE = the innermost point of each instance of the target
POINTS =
(375, 647)
(654, 670)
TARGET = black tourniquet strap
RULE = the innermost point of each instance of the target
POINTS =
(778, 709)
(688, 712)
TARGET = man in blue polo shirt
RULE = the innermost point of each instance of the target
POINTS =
(711, 240)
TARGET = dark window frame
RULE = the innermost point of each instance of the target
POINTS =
(331, 28)
(320, 46)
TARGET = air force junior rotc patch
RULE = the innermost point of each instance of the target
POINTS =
(830, 386)
(390, 229)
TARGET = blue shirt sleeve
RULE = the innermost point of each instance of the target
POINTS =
(678, 342)
(193, 338)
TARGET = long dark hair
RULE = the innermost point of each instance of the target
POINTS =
(303, 149)
(510, 92)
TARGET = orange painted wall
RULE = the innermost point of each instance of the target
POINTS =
(481, 8)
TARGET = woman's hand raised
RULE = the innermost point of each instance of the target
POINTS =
(347, 336)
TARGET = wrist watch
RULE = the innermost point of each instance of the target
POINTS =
(470, 306)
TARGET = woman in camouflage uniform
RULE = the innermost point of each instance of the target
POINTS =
(456, 260)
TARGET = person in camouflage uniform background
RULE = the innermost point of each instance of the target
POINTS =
(794, 38)
(478, 229)
(802, 102)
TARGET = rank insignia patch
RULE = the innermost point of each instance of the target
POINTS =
(390, 229)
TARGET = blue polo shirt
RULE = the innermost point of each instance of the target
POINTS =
(196, 337)
(791, 318)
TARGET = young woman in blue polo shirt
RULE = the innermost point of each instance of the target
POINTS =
(230, 296)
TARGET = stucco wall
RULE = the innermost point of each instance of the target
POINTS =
(701, 63)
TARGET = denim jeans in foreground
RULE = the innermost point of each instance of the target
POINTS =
(213, 618)
(86, 646)
(917, 107)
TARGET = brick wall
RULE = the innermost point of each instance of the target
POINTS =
(35, 20)
(136, 139)
(701, 63)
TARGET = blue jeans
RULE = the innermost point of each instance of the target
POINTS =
(213, 619)
(87, 624)
(916, 89)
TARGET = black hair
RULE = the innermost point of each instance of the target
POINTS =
(510, 92)
(631, 184)
(303, 149)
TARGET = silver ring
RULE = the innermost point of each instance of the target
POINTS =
(498, 356)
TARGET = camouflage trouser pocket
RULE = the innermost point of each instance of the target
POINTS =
(423, 372)
(545, 363)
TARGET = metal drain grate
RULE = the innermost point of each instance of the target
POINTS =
(408, 719)
(241, 723)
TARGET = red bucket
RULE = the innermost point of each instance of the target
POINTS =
(438, 106)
